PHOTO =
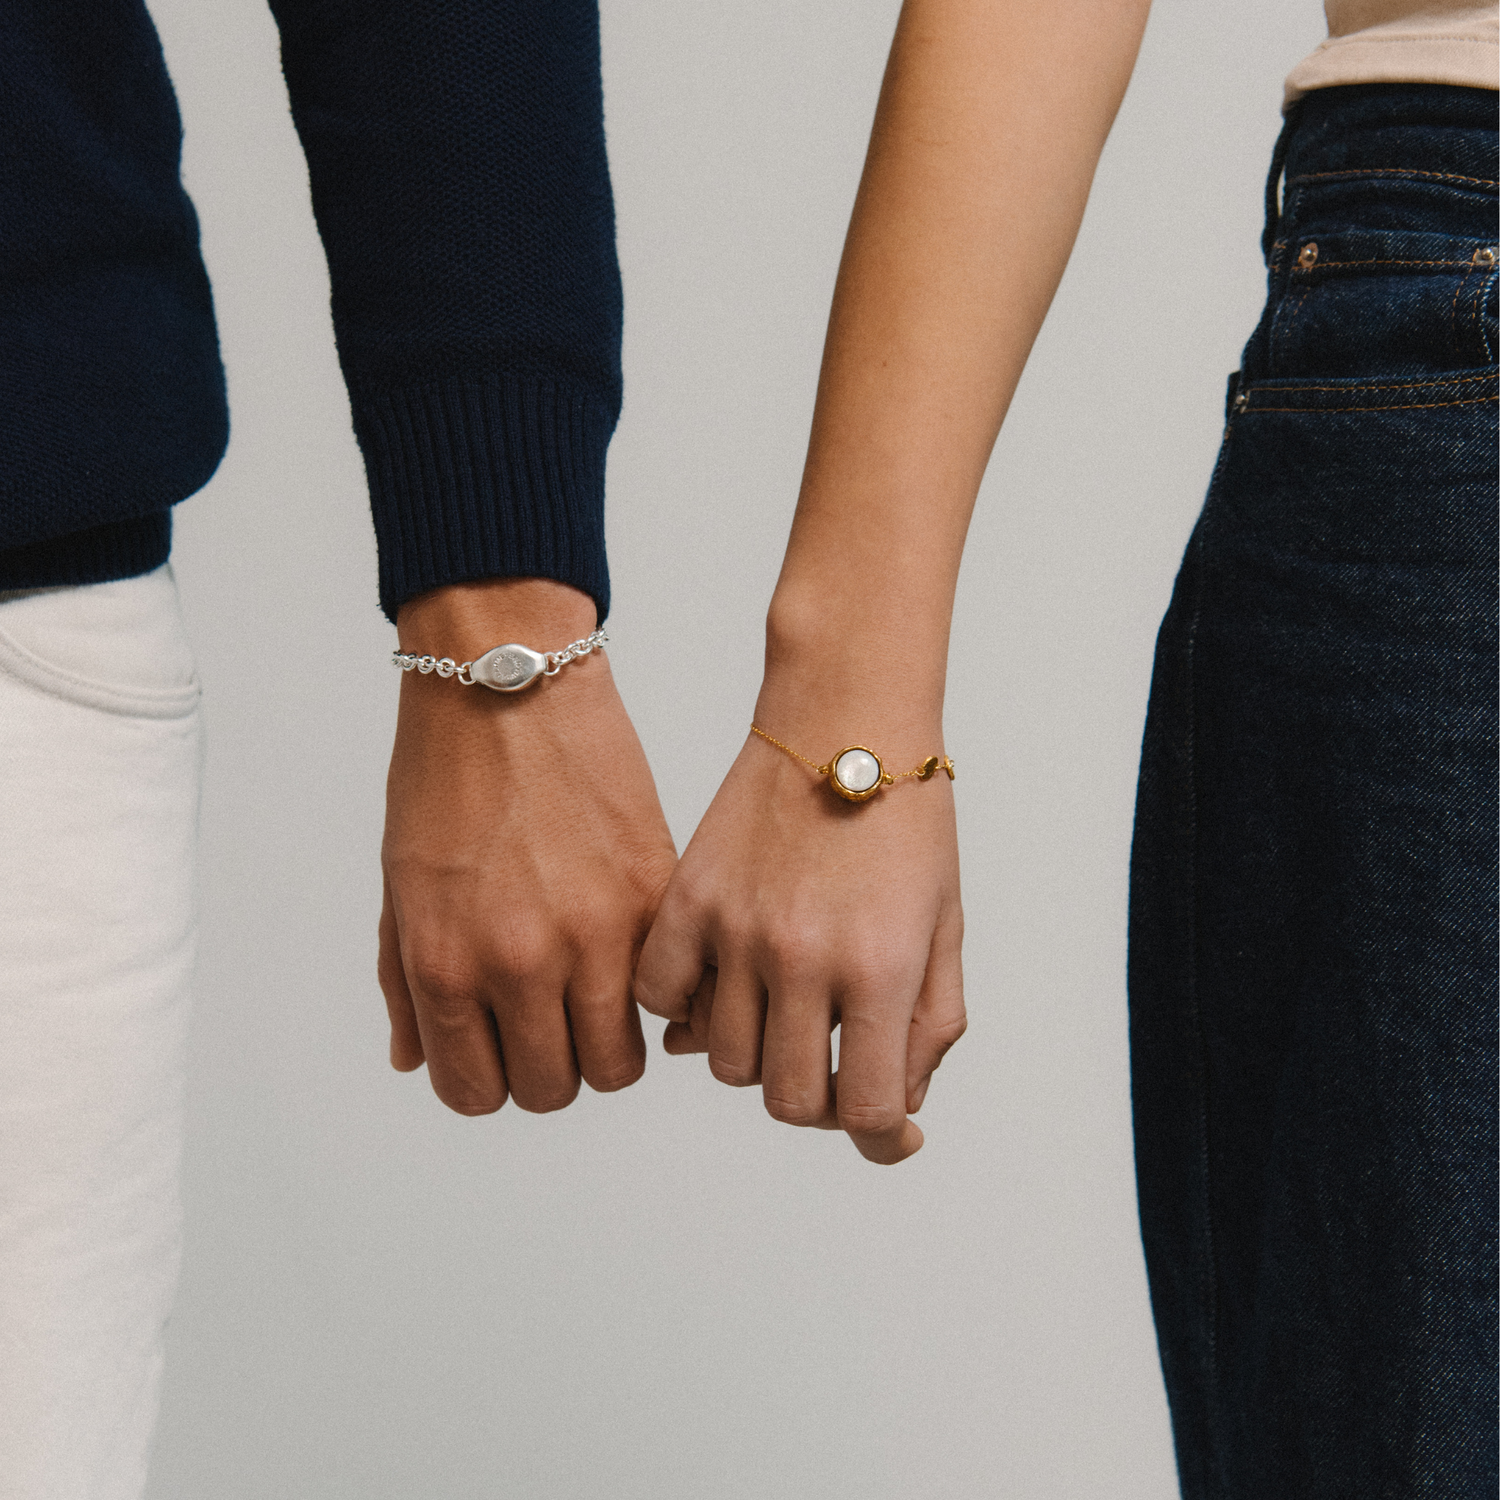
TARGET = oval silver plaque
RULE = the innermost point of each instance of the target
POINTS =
(508, 669)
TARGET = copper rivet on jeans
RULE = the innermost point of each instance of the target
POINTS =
(1307, 256)
(1485, 256)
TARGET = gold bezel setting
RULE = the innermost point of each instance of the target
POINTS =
(848, 793)
(883, 778)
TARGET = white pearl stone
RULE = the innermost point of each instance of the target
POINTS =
(857, 770)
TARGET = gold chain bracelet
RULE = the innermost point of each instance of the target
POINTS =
(857, 773)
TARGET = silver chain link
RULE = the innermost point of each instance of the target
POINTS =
(557, 660)
(445, 666)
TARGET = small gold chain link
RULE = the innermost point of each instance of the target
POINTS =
(925, 772)
(772, 740)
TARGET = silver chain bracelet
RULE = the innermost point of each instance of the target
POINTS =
(506, 669)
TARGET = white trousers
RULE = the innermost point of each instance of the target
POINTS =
(99, 775)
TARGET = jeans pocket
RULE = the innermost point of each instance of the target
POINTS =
(1358, 303)
(117, 646)
(1332, 395)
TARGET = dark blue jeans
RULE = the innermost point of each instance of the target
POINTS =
(1312, 924)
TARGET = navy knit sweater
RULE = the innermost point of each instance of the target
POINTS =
(456, 154)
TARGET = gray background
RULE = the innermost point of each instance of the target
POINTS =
(662, 1293)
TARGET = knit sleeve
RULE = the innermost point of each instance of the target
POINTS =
(456, 155)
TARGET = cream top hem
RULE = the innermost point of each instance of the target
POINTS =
(1402, 41)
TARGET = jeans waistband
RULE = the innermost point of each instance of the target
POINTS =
(1426, 130)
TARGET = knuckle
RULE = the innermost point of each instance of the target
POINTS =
(447, 985)
(523, 954)
(547, 1098)
(682, 915)
(648, 874)
(944, 1033)
(869, 1119)
(471, 1102)
(602, 1009)
(737, 1075)
(648, 997)
(794, 1108)
(877, 970)
(873, 964)
(797, 948)
(614, 1076)
(690, 902)
(530, 1038)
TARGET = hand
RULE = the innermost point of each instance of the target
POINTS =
(793, 912)
(525, 855)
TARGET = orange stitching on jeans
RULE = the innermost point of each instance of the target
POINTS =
(1394, 172)
(1479, 290)
(1328, 410)
(1398, 385)
(1453, 321)
(1326, 264)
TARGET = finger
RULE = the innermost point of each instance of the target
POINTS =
(735, 1026)
(536, 1046)
(683, 1037)
(671, 962)
(939, 1018)
(797, 1058)
(870, 1092)
(457, 1035)
(606, 1025)
(406, 1039)
(677, 1039)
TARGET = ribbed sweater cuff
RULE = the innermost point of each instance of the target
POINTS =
(485, 477)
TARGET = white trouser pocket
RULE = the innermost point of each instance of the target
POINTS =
(99, 773)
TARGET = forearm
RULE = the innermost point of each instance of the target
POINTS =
(793, 913)
(991, 121)
(456, 157)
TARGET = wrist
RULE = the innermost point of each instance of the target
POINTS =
(847, 670)
(463, 620)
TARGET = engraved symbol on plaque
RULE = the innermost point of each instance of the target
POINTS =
(509, 668)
